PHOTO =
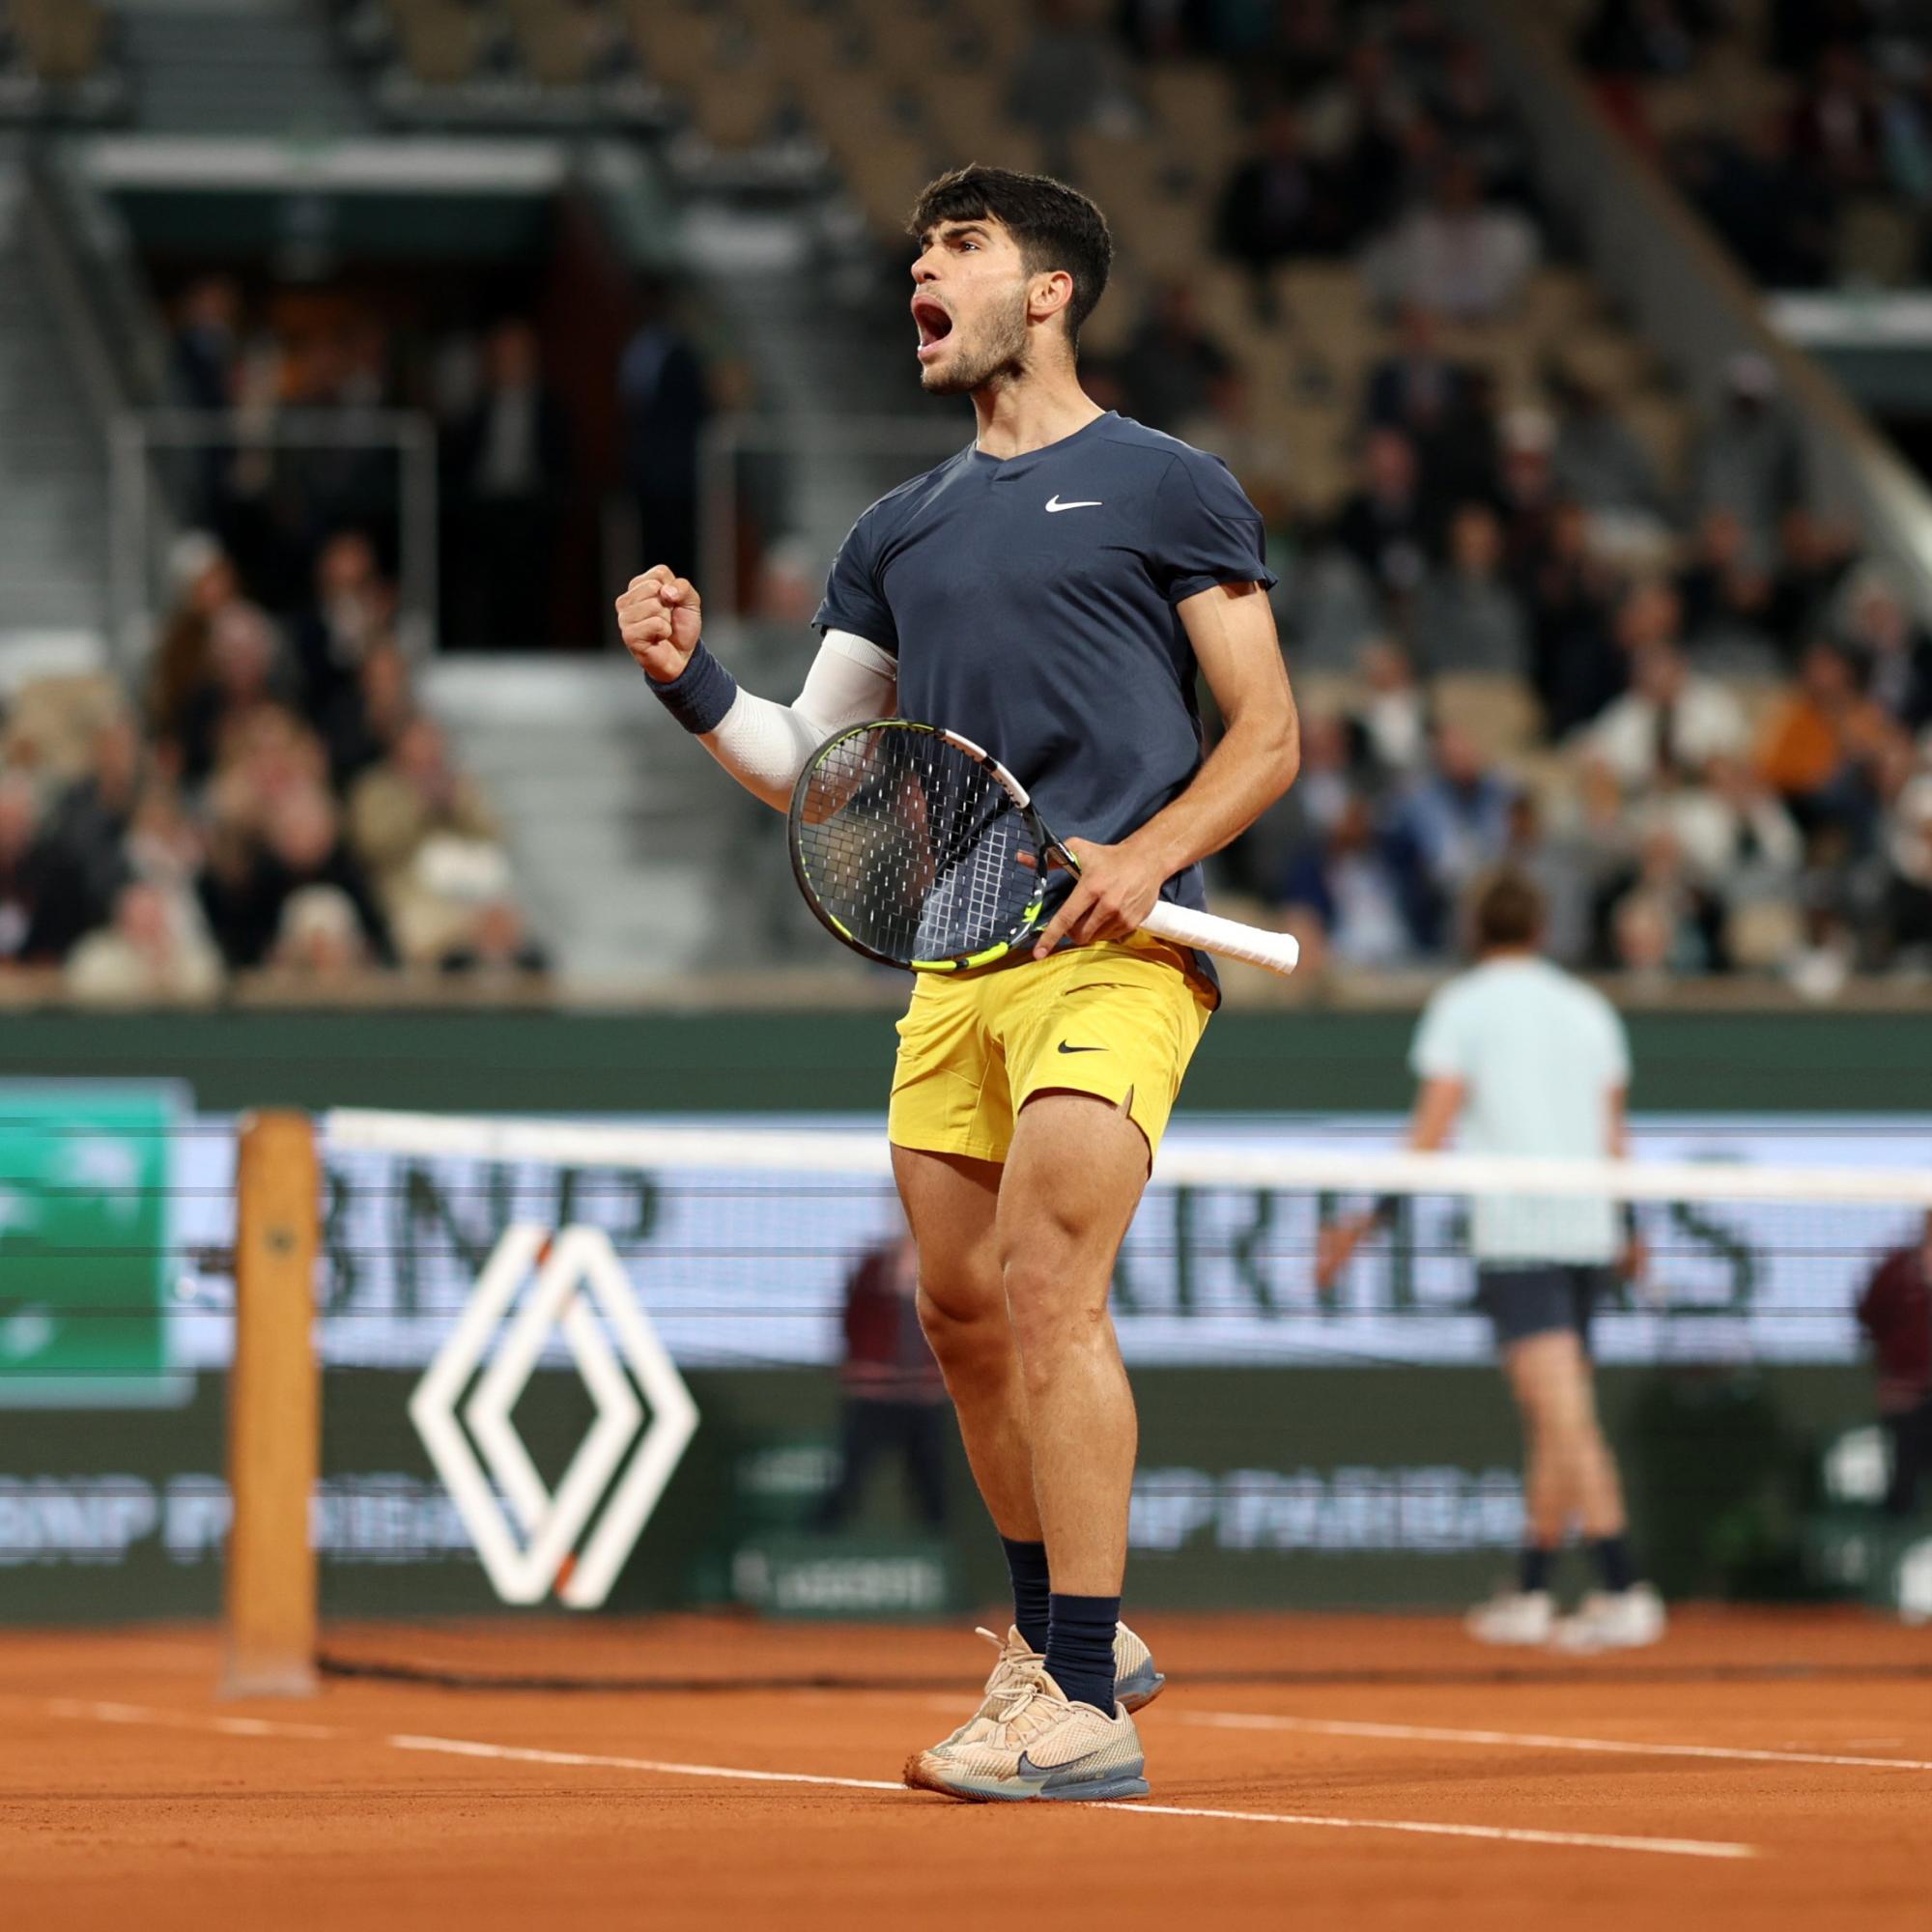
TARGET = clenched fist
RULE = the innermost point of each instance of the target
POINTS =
(658, 616)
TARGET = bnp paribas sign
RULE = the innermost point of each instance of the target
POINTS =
(87, 1274)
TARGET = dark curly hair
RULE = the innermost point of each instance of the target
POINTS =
(1056, 226)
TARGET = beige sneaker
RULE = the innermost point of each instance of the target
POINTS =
(1042, 1748)
(1136, 1681)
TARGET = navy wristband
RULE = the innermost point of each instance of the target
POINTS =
(701, 695)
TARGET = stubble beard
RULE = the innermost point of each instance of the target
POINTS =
(1000, 351)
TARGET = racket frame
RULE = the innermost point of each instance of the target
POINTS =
(1046, 847)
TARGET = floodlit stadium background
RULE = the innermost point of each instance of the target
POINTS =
(353, 353)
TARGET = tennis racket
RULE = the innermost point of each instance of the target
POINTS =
(917, 849)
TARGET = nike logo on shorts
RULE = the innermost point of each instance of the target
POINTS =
(1064, 1049)
(1053, 503)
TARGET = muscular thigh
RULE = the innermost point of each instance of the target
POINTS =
(952, 1203)
(1073, 1178)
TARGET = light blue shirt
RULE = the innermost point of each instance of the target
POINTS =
(1539, 1054)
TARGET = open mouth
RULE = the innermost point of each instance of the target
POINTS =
(933, 323)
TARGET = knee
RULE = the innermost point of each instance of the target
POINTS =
(1049, 1316)
(964, 1322)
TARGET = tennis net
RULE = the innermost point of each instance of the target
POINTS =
(580, 1381)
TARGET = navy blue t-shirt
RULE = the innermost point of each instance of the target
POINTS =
(1030, 602)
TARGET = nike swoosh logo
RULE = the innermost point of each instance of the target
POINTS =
(1053, 503)
(1064, 1049)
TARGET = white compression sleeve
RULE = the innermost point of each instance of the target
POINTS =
(764, 746)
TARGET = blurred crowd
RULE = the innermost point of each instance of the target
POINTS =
(1821, 172)
(1685, 703)
(274, 800)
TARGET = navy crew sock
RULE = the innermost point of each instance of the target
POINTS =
(1080, 1648)
(1614, 1562)
(1535, 1567)
(1027, 1563)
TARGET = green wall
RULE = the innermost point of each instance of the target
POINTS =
(631, 1062)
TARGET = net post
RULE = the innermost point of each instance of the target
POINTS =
(275, 1412)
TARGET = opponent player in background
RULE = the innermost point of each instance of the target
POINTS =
(1051, 593)
(1526, 1060)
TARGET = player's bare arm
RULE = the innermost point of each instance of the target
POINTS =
(1232, 629)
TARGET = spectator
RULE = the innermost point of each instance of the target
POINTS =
(365, 720)
(1725, 596)
(205, 585)
(246, 673)
(1823, 740)
(1392, 716)
(414, 792)
(39, 913)
(155, 950)
(1344, 880)
(89, 827)
(1599, 460)
(1385, 525)
(353, 611)
(1466, 260)
(498, 946)
(319, 937)
(245, 892)
(1814, 557)
(1749, 461)
(1671, 722)
(1174, 362)
(405, 816)
(1478, 121)
(1895, 1312)
(1661, 923)
(207, 345)
(1466, 615)
(662, 394)
(1905, 893)
(1445, 829)
(1419, 391)
(1578, 666)
(508, 465)
(1275, 205)
(894, 1398)
(1358, 131)
(1894, 651)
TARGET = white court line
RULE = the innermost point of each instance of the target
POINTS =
(1432, 1734)
(469, 1747)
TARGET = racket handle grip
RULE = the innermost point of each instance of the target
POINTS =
(1278, 952)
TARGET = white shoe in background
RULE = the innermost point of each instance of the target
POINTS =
(1613, 1620)
(1512, 1616)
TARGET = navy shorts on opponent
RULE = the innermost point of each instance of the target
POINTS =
(1541, 1299)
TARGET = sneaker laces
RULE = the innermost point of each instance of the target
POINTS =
(1003, 1697)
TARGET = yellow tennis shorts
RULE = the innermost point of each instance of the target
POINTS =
(1117, 1020)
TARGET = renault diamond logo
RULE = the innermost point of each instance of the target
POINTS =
(535, 1548)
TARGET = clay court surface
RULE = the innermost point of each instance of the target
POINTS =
(1358, 1774)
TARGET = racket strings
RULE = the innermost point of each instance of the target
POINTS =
(913, 847)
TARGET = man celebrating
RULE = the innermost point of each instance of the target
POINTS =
(1050, 592)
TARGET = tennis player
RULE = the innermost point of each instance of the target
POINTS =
(1051, 593)
(1526, 1060)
